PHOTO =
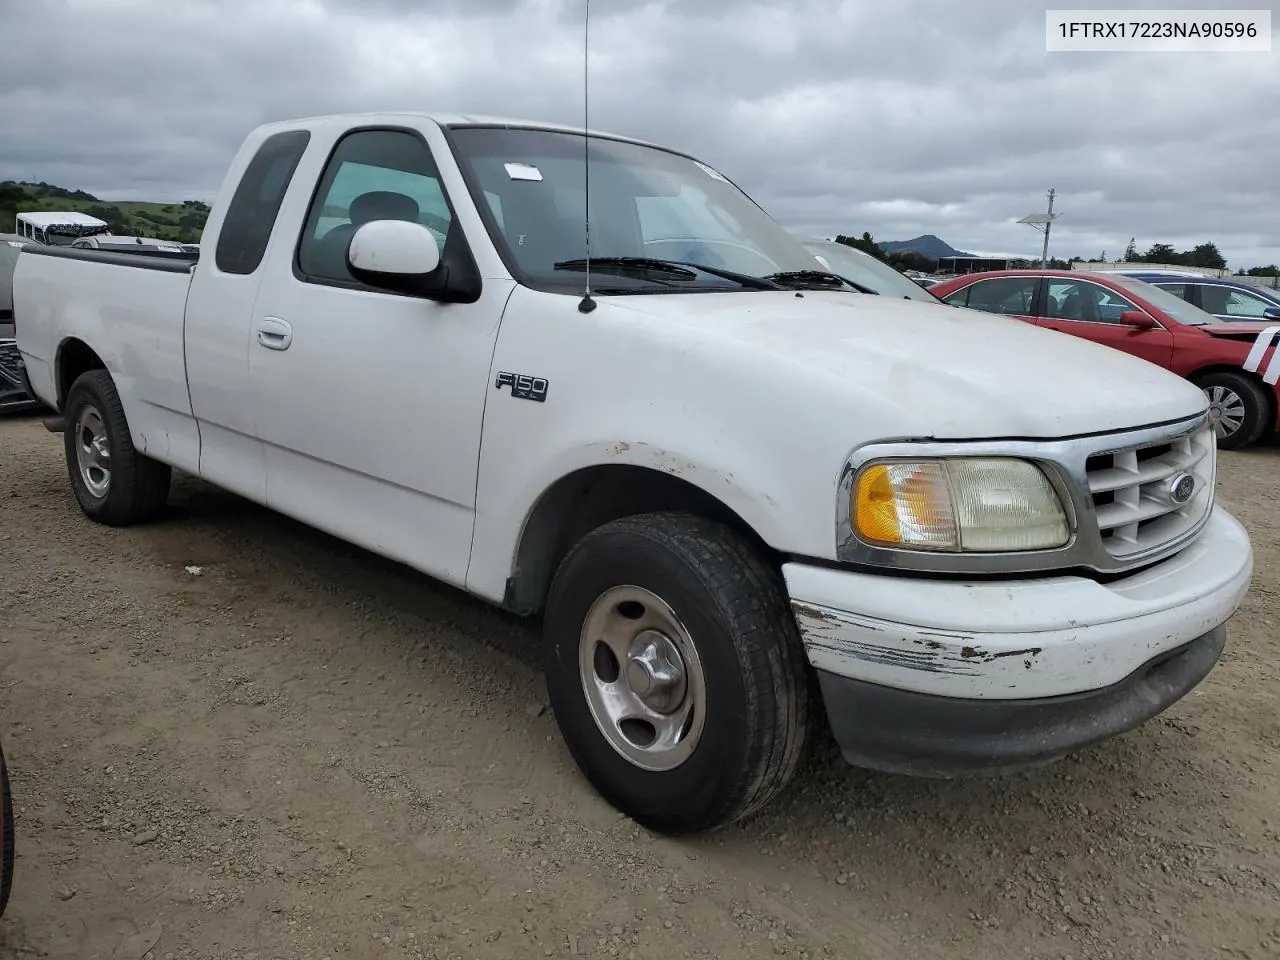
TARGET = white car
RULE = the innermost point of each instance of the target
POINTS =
(740, 494)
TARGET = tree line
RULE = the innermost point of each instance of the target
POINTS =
(1205, 256)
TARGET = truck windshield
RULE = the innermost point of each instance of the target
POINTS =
(645, 203)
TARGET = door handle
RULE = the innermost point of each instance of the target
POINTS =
(274, 333)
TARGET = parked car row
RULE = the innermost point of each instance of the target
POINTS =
(1222, 334)
(1225, 298)
(1235, 362)
(743, 495)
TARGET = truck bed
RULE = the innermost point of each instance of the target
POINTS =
(172, 262)
(131, 306)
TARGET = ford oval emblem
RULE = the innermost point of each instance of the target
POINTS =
(1181, 487)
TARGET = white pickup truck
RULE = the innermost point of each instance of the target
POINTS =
(740, 494)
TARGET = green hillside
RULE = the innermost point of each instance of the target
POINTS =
(169, 221)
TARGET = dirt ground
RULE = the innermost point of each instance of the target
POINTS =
(303, 751)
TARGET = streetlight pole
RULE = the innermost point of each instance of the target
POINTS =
(1043, 222)
(1044, 253)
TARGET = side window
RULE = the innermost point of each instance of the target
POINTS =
(1180, 290)
(1011, 296)
(1213, 299)
(251, 215)
(1228, 302)
(1087, 302)
(1241, 304)
(372, 175)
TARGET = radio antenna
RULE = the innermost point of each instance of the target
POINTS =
(586, 304)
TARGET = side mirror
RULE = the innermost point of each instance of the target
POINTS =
(1137, 319)
(1271, 313)
(395, 254)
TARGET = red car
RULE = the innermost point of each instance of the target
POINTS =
(1237, 364)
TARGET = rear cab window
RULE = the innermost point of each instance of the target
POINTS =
(255, 205)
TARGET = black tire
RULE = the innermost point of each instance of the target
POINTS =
(1257, 407)
(6, 835)
(756, 718)
(137, 486)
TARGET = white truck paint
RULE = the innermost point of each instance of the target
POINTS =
(386, 337)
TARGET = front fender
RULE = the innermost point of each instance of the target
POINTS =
(503, 517)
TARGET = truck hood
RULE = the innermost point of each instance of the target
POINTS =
(926, 370)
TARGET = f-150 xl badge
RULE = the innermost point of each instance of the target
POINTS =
(523, 387)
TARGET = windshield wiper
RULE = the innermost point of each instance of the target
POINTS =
(673, 268)
(811, 277)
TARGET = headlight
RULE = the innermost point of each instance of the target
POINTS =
(961, 504)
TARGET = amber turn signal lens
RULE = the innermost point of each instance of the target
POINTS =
(962, 503)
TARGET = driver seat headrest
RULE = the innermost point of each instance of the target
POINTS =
(382, 205)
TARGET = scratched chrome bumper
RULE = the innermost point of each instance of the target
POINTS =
(929, 736)
(1005, 648)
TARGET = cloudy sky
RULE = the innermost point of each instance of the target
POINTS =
(900, 117)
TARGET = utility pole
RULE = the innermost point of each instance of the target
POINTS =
(1043, 222)
(1044, 253)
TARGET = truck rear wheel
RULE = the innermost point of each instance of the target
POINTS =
(1238, 408)
(113, 483)
(676, 671)
(6, 835)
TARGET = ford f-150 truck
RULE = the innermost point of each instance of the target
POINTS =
(739, 494)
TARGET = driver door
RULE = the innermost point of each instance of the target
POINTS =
(369, 403)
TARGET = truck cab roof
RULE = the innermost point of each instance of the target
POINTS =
(450, 120)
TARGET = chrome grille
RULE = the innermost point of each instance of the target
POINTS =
(1115, 486)
(1131, 491)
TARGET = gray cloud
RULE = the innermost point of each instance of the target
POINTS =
(922, 116)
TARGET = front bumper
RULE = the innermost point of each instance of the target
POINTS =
(928, 736)
(942, 677)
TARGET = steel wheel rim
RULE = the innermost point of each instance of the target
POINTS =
(1226, 410)
(93, 453)
(642, 678)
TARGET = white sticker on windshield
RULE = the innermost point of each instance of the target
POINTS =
(523, 171)
(711, 173)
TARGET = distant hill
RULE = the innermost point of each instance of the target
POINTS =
(929, 246)
(169, 221)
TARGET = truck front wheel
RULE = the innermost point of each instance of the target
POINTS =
(676, 671)
(113, 483)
